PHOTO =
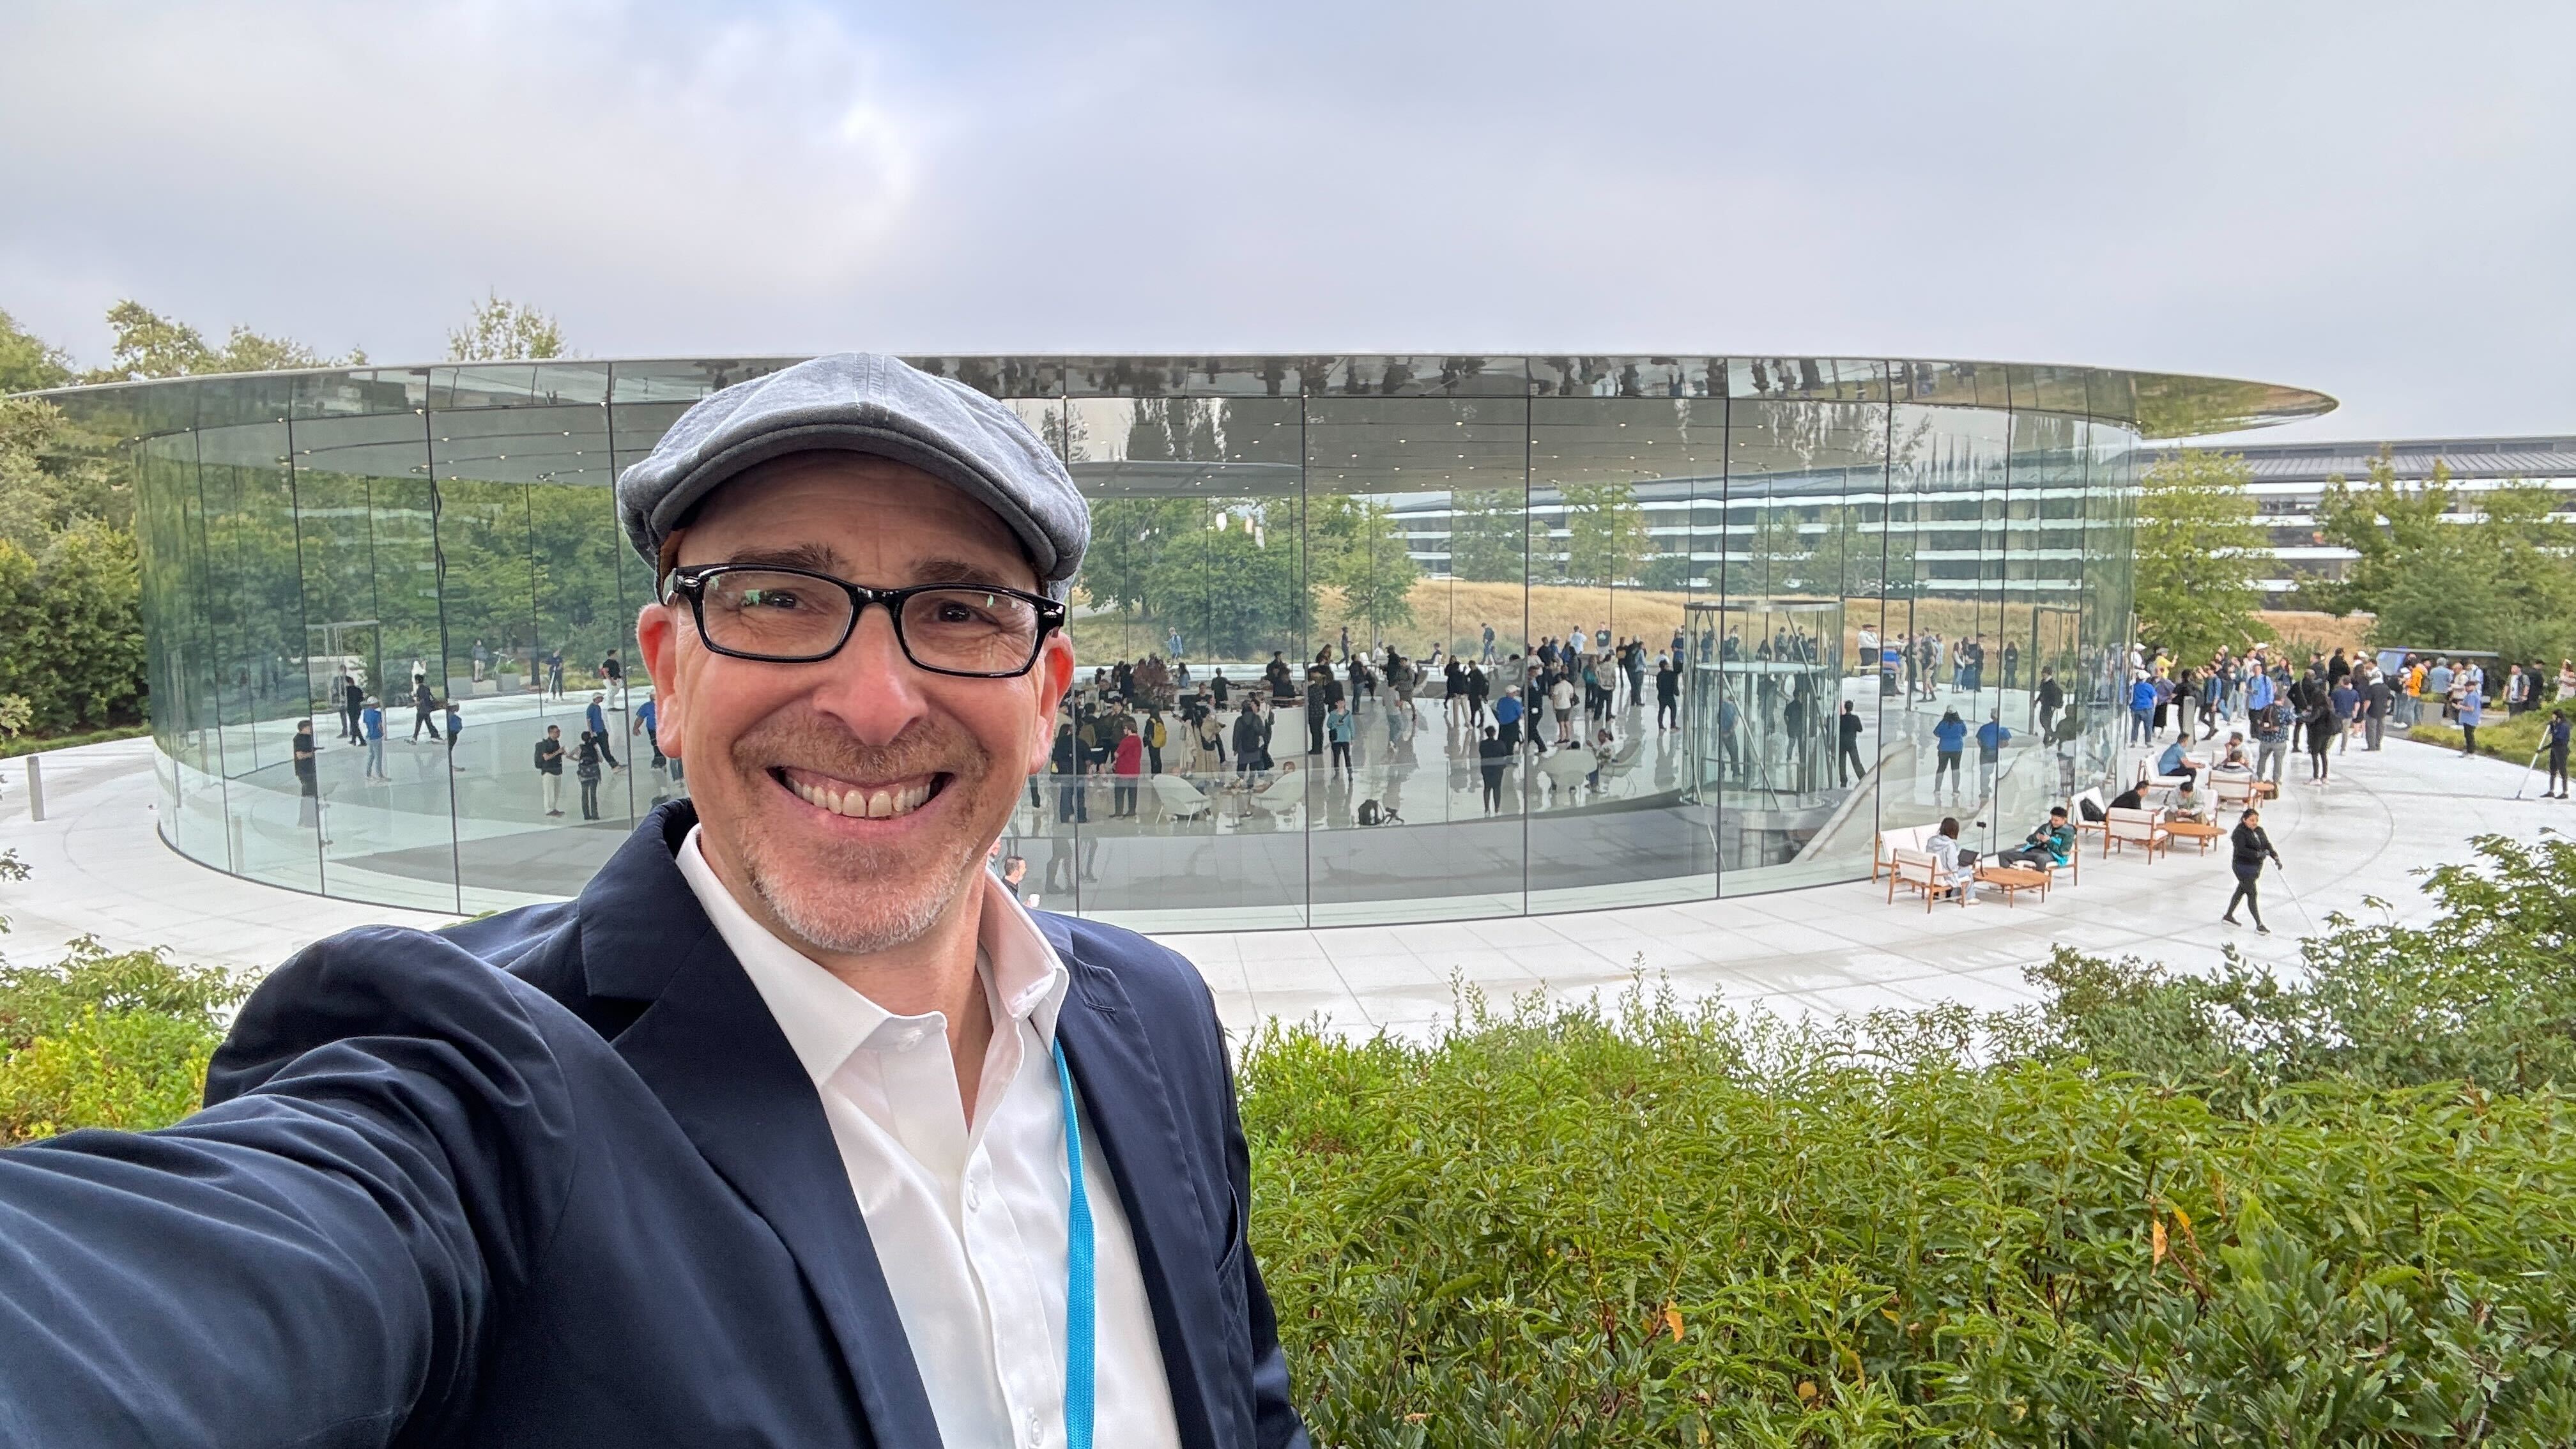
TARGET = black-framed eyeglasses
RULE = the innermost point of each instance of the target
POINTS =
(797, 616)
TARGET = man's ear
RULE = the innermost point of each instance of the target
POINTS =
(1051, 678)
(657, 639)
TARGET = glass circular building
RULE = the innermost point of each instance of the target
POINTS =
(1835, 553)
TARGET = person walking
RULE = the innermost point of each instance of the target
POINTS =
(550, 758)
(1247, 739)
(482, 660)
(1847, 763)
(1992, 736)
(596, 716)
(2554, 739)
(348, 718)
(2250, 847)
(371, 725)
(424, 707)
(648, 723)
(586, 770)
(455, 732)
(308, 779)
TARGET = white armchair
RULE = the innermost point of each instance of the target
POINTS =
(1180, 799)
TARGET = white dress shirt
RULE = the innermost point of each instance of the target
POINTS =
(969, 1222)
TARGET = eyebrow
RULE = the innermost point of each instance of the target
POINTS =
(822, 559)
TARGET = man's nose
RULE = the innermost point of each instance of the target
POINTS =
(871, 687)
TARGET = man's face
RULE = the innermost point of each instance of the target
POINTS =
(769, 746)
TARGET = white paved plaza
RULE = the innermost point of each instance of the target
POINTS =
(100, 869)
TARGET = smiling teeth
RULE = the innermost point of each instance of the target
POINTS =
(880, 804)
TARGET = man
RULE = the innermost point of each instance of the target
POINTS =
(550, 761)
(308, 779)
(1847, 763)
(353, 702)
(647, 724)
(371, 723)
(455, 732)
(340, 683)
(794, 1129)
(424, 706)
(2048, 846)
(597, 718)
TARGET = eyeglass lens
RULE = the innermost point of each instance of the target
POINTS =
(791, 616)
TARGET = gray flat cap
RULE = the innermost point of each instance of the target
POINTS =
(864, 402)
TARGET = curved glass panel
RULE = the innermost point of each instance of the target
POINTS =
(1713, 611)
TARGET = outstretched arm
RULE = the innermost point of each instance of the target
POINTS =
(315, 1258)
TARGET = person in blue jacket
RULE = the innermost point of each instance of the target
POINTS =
(795, 1128)
(1950, 741)
(2142, 710)
(371, 722)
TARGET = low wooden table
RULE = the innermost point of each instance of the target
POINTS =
(2195, 830)
(2012, 880)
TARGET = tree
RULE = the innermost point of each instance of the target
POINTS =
(1488, 535)
(2501, 578)
(28, 362)
(2200, 554)
(149, 345)
(53, 474)
(1235, 592)
(1605, 528)
(499, 329)
(71, 628)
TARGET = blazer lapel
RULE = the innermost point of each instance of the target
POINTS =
(713, 1054)
(1122, 1088)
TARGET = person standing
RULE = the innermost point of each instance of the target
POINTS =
(1992, 736)
(648, 723)
(1847, 758)
(2325, 726)
(308, 779)
(596, 716)
(482, 660)
(1157, 734)
(2554, 739)
(2052, 698)
(371, 724)
(586, 770)
(2249, 847)
(2472, 713)
(340, 706)
(1493, 755)
(1338, 731)
(554, 672)
(2271, 741)
(612, 677)
(1950, 741)
(1127, 763)
(2377, 699)
(1668, 695)
(550, 758)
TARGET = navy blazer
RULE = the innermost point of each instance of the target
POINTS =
(586, 1198)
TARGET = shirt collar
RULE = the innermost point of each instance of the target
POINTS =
(825, 1020)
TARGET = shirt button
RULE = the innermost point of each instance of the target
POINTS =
(974, 1196)
(1034, 1434)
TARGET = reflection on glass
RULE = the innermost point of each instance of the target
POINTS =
(1359, 639)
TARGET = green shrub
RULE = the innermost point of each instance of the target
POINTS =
(106, 1039)
(2156, 1211)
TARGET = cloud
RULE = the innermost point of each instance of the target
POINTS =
(2367, 198)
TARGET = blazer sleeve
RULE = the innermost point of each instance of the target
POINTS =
(313, 1258)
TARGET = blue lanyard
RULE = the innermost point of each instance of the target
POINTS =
(1077, 1275)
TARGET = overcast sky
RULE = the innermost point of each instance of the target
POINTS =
(2375, 200)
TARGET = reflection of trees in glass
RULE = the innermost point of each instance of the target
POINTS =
(1487, 533)
(1606, 535)
(1375, 573)
(1775, 556)
(1235, 594)
(1128, 537)
(1671, 572)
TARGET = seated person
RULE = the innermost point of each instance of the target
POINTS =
(2174, 762)
(2128, 799)
(1952, 863)
(2046, 847)
(2188, 805)
(2234, 761)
